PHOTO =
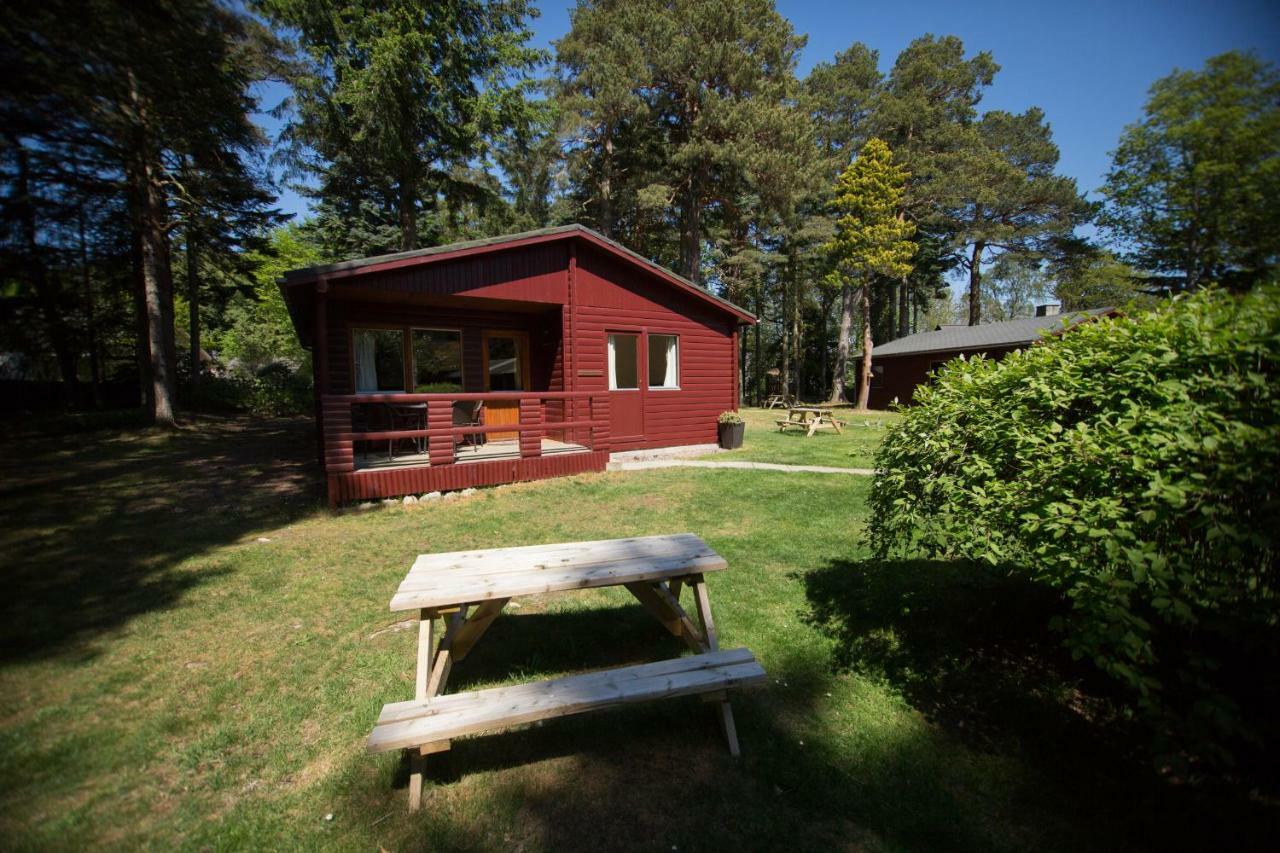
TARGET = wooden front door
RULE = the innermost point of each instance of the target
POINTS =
(506, 368)
(626, 381)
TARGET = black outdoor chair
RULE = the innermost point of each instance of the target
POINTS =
(468, 413)
(405, 416)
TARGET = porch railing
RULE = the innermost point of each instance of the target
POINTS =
(580, 417)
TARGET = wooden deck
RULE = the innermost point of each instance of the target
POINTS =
(487, 452)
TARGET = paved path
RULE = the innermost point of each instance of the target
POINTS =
(750, 466)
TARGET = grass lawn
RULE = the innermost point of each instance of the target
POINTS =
(855, 447)
(193, 651)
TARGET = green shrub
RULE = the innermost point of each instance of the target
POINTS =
(1132, 465)
(270, 391)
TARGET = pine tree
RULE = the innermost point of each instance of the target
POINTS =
(1194, 187)
(393, 102)
(872, 239)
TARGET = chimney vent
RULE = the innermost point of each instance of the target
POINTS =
(1048, 310)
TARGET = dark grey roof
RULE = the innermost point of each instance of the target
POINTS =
(988, 335)
(308, 273)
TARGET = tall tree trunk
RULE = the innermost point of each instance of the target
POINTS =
(786, 327)
(796, 330)
(691, 233)
(90, 319)
(157, 283)
(47, 291)
(758, 361)
(904, 308)
(864, 381)
(842, 343)
(975, 283)
(142, 349)
(408, 210)
(606, 185)
(151, 226)
(193, 302)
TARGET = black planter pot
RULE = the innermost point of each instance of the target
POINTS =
(731, 435)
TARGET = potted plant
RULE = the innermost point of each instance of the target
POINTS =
(731, 429)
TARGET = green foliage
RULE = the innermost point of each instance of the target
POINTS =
(1131, 465)
(270, 391)
(871, 238)
(259, 330)
(1098, 279)
(395, 101)
(730, 418)
(1194, 188)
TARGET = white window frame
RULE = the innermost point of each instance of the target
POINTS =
(649, 343)
(612, 359)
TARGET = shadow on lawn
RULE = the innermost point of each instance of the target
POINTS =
(965, 645)
(95, 525)
(969, 646)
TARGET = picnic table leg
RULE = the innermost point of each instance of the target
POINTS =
(434, 665)
(725, 710)
(418, 761)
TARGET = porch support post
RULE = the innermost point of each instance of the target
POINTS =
(600, 438)
(530, 439)
(440, 440)
(320, 364)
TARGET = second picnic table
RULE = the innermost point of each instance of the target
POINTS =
(468, 589)
(810, 418)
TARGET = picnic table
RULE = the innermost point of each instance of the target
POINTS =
(468, 589)
(780, 401)
(810, 418)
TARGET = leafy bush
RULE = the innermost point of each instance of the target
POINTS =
(1132, 465)
(270, 391)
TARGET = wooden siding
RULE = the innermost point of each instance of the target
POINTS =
(902, 373)
(567, 296)
(345, 487)
(529, 274)
(613, 296)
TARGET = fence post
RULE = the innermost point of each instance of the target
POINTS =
(530, 439)
(599, 408)
(440, 441)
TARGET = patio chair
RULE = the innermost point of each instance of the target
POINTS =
(468, 413)
(405, 416)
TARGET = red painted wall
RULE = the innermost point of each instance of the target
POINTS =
(568, 296)
(902, 373)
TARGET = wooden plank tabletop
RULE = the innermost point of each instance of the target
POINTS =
(463, 577)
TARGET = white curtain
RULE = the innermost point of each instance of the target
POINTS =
(613, 363)
(671, 380)
(366, 362)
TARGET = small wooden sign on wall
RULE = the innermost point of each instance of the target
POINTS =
(591, 373)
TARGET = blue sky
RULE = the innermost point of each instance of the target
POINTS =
(1088, 64)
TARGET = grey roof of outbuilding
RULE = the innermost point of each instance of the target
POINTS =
(988, 335)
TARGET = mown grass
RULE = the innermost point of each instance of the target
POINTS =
(855, 447)
(194, 651)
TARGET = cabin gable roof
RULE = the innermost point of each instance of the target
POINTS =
(457, 251)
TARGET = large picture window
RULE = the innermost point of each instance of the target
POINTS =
(664, 361)
(437, 361)
(379, 360)
(624, 362)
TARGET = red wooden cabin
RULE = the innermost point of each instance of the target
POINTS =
(515, 358)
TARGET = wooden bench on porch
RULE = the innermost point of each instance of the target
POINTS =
(470, 589)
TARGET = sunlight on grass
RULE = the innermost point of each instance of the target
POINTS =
(855, 447)
(195, 662)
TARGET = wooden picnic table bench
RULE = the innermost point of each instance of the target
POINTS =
(655, 569)
(811, 419)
